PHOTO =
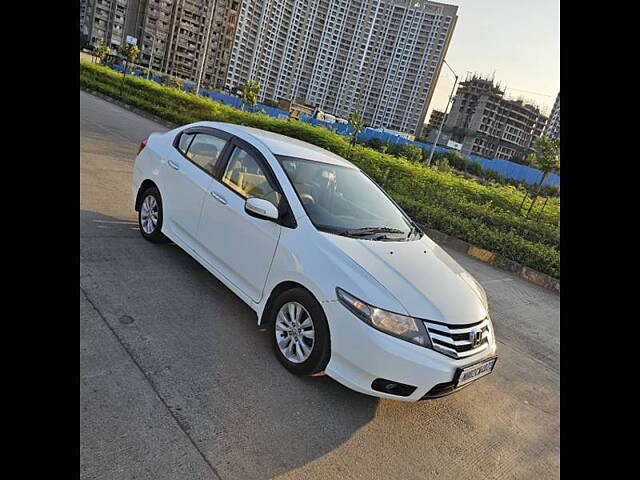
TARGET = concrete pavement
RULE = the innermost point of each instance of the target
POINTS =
(178, 382)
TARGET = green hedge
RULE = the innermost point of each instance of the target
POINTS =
(484, 215)
(473, 230)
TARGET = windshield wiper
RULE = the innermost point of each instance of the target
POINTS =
(361, 232)
(414, 231)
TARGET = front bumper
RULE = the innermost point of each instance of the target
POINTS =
(361, 354)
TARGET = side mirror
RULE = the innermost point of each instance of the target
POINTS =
(260, 208)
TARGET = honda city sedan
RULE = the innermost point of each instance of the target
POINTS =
(346, 283)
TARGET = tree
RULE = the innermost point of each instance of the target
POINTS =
(101, 51)
(130, 53)
(249, 93)
(546, 158)
(355, 120)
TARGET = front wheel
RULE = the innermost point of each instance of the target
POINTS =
(300, 333)
(150, 216)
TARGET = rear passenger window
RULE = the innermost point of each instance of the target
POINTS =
(185, 140)
(205, 150)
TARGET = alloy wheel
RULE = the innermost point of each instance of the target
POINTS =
(295, 333)
(149, 214)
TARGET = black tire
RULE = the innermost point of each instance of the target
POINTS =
(156, 235)
(321, 349)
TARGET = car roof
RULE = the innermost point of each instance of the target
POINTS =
(283, 145)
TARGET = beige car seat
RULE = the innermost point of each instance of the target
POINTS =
(205, 155)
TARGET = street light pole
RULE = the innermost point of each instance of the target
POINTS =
(444, 116)
(153, 49)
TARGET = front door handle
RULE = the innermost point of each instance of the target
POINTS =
(173, 165)
(218, 197)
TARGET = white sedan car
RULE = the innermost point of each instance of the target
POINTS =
(345, 281)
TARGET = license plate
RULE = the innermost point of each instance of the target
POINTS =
(476, 371)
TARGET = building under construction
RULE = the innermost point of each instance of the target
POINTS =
(488, 124)
(435, 120)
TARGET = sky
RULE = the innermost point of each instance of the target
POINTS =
(518, 39)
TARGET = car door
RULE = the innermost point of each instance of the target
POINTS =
(188, 174)
(237, 244)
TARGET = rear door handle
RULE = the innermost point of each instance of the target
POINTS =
(218, 197)
(173, 165)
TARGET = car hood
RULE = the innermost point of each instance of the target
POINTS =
(421, 276)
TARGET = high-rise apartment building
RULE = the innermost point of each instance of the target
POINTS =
(104, 20)
(382, 57)
(171, 34)
(85, 7)
(553, 126)
(490, 125)
(181, 29)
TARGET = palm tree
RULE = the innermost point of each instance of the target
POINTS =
(546, 158)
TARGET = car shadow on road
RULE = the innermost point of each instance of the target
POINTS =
(206, 357)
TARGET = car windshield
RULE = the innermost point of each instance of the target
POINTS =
(344, 201)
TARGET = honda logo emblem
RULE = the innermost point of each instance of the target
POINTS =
(475, 337)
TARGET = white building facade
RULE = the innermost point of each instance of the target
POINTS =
(381, 57)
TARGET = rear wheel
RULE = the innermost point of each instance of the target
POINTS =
(300, 333)
(150, 216)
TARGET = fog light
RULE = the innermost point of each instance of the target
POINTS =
(393, 388)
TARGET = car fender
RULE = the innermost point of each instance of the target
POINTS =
(305, 257)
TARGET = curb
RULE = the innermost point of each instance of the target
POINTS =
(498, 261)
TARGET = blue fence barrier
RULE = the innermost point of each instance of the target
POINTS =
(516, 171)
(503, 167)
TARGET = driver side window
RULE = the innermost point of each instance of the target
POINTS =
(244, 175)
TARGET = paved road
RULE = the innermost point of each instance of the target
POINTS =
(177, 382)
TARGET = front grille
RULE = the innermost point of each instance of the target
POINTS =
(455, 340)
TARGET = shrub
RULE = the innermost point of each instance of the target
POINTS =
(443, 165)
(375, 143)
(457, 160)
(171, 81)
(484, 215)
(475, 168)
(412, 153)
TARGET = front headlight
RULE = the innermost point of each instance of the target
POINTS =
(401, 326)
